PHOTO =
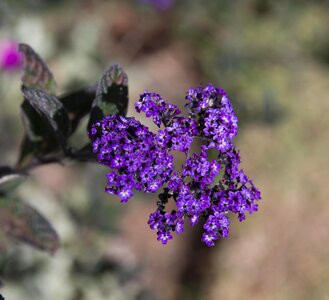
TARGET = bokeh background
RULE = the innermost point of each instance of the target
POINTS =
(272, 57)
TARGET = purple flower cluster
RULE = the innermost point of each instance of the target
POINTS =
(204, 189)
(154, 106)
(127, 146)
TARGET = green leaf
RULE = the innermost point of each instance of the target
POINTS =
(39, 140)
(84, 154)
(36, 73)
(78, 104)
(9, 179)
(21, 222)
(28, 150)
(111, 94)
(35, 126)
(52, 112)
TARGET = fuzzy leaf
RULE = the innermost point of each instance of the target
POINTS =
(28, 150)
(21, 222)
(52, 112)
(39, 140)
(35, 126)
(111, 94)
(78, 104)
(36, 72)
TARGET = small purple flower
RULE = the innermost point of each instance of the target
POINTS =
(155, 220)
(10, 57)
(194, 219)
(179, 227)
(164, 236)
(125, 194)
(209, 238)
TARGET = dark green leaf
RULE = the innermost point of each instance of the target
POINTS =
(36, 72)
(34, 124)
(84, 154)
(78, 104)
(23, 223)
(28, 150)
(37, 153)
(52, 112)
(39, 140)
(111, 94)
(9, 179)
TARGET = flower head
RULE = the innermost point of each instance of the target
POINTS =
(204, 189)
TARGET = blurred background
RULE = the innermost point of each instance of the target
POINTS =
(272, 57)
